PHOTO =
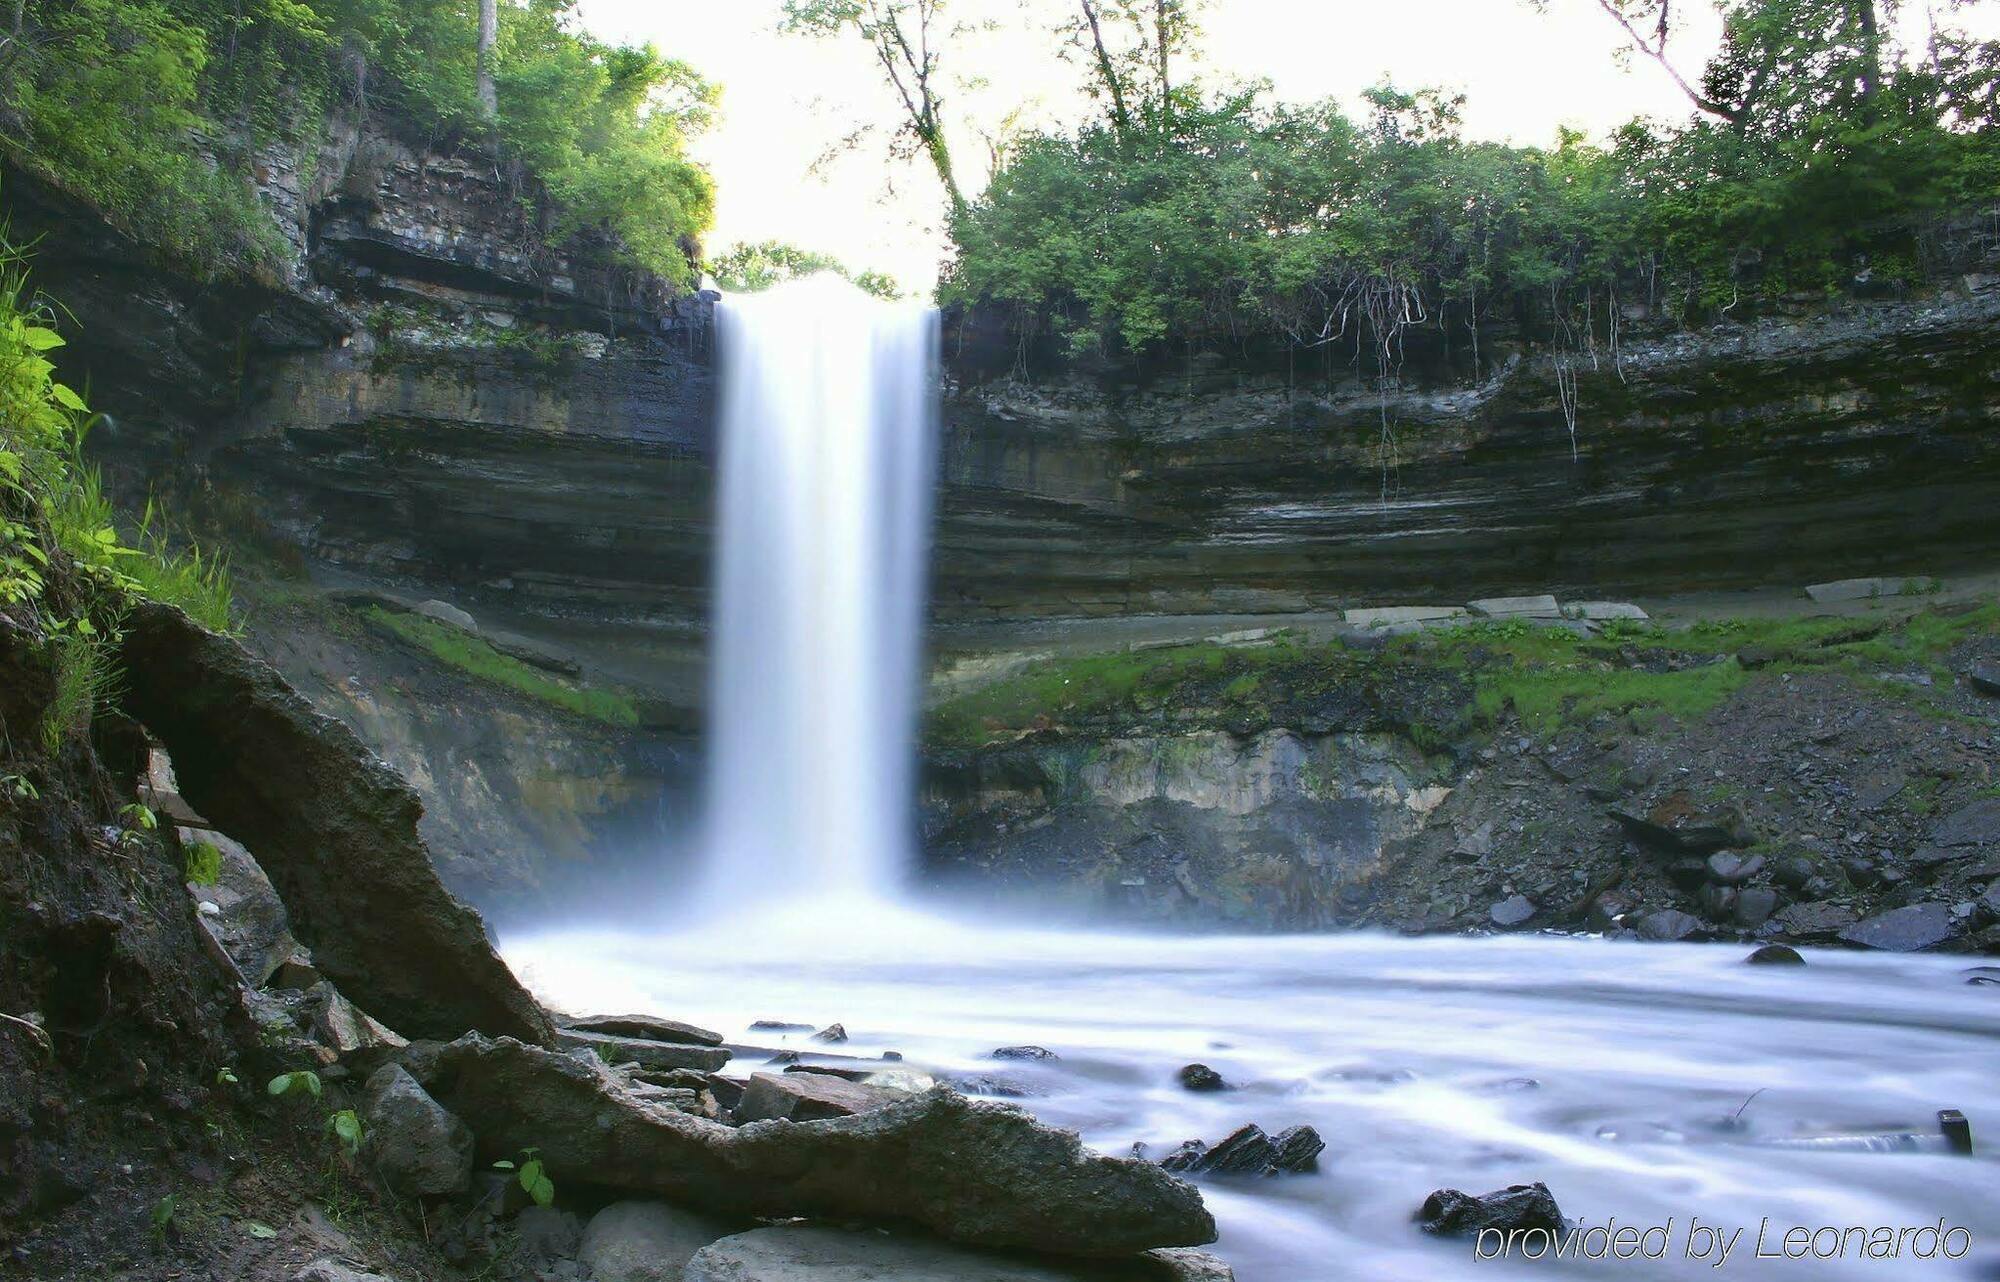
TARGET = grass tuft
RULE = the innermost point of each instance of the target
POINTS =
(469, 654)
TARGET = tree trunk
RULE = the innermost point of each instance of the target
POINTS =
(1871, 46)
(1121, 122)
(489, 29)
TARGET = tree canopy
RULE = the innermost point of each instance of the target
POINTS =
(150, 108)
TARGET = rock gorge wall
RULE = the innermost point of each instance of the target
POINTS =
(435, 398)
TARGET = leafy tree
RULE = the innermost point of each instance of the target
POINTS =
(760, 265)
(905, 37)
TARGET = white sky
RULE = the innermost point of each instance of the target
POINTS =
(790, 100)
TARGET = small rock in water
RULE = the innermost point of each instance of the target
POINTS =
(779, 1026)
(831, 1033)
(646, 1028)
(1775, 955)
(1512, 911)
(1249, 1151)
(1450, 1213)
(1024, 1052)
(1200, 1077)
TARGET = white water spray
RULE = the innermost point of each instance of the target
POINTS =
(828, 431)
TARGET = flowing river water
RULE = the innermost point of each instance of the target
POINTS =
(1609, 1071)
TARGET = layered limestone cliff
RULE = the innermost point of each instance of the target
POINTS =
(437, 401)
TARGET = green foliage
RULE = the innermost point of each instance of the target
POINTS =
(534, 1179)
(204, 863)
(478, 658)
(1227, 215)
(344, 1126)
(161, 1217)
(298, 1082)
(85, 669)
(749, 268)
(150, 110)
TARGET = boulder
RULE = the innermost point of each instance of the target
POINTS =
(645, 1028)
(1819, 918)
(445, 612)
(1754, 906)
(808, 1097)
(1679, 825)
(1985, 678)
(416, 1146)
(659, 1056)
(1450, 1213)
(1840, 591)
(1726, 869)
(1511, 912)
(973, 1171)
(1603, 611)
(1669, 924)
(543, 1234)
(1904, 930)
(646, 1241)
(831, 1033)
(801, 1253)
(1247, 1150)
(251, 922)
(332, 827)
(1975, 825)
(1775, 955)
(1025, 1052)
(343, 1028)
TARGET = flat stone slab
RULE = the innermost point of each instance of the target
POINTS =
(1855, 589)
(1516, 607)
(1903, 930)
(801, 1253)
(808, 1097)
(645, 1053)
(1383, 615)
(645, 1027)
(1975, 825)
(1603, 611)
(973, 1171)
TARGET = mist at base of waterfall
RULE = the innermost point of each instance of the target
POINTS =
(1412, 1057)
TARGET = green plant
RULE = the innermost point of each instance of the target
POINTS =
(204, 863)
(531, 1175)
(345, 1128)
(478, 658)
(298, 1082)
(161, 1218)
(19, 788)
(225, 1076)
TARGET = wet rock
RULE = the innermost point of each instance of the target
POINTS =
(1607, 911)
(1247, 1150)
(645, 1028)
(329, 1270)
(445, 612)
(1733, 870)
(1669, 924)
(778, 1026)
(1450, 1213)
(1679, 825)
(808, 1097)
(1815, 920)
(646, 1241)
(1985, 678)
(1688, 874)
(1904, 930)
(660, 1056)
(1025, 1052)
(416, 1146)
(808, 1253)
(1975, 825)
(1718, 902)
(973, 1171)
(1754, 906)
(1775, 955)
(250, 921)
(1511, 912)
(1200, 1077)
(831, 1033)
(332, 827)
(543, 1234)
(1792, 871)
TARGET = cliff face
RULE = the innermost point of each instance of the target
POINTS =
(437, 399)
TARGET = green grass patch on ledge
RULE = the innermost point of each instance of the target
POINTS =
(469, 654)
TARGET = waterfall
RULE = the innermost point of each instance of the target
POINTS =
(828, 431)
